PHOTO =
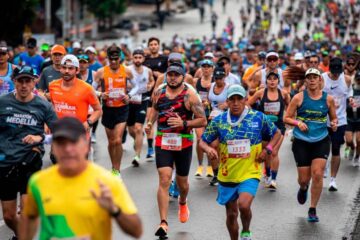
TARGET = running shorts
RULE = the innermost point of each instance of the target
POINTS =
(137, 113)
(228, 194)
(338, 137)
(304, 152)
(114, 115)
(353, 127)
(182, 160)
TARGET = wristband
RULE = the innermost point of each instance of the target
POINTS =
(149, 123)
(269, 147)
(296, 123)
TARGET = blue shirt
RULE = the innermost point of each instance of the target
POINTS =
(35, 61)
(95, 66)
(8, 84)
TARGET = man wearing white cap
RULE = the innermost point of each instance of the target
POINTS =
(259, 80)
(299, 58)
(72, 96)
(94, 65)
(240, 131)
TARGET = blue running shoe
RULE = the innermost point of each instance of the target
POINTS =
(312, 217)
(171, 189)
(302, 195)
(175, 193)
(150, 153)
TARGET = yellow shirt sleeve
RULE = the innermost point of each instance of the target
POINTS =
(122, 197)
(30, 206)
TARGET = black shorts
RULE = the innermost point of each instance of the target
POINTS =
(353, 127)
(182, 160)
(14, 179)
(338, 137)
(114, 115)
(137, 113)
(304, 152)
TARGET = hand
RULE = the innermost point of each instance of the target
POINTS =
(104, 199)
(104, 95)
(333, 125)
(32, 139)
(126, 99)
(261, 86)
(222, 106)
(212, 153)
(351, 102)
(156, 73)
(86, 126)
(175, 122)
(1, 82)
(260, 158)
(148, 128)
(303, 127)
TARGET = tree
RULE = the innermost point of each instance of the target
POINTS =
(15, 15)
(106, 9)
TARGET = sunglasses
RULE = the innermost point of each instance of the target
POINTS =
(206, 66)
(350, 64)
(83, 57)
(114, 58)
(272, 59)
(3, 53)
(314, 62)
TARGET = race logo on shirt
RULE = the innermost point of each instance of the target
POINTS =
(64, 108)
(22, 119)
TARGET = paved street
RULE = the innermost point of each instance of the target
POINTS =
(275, 215)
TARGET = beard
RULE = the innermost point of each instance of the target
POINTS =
(175, 86)
(137, 64)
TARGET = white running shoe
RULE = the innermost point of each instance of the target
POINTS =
(332, 186)
(267, 181)
(356, 162)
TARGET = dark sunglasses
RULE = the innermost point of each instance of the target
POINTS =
(350, 64)
(83, 57)
(272, 59)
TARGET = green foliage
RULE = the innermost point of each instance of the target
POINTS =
(106, 8)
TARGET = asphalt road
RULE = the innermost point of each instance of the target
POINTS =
(276, 215)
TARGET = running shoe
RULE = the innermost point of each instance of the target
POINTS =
(347, 153)
(135, 162)
(115, 172)
(312, 217)
(150, 153)
(93, 138)
(209, 171)
(171, 189)
(175, 193)
(273, 185)
(356, 161)
(245, 236)
(302, 195)
(267, 181)
(199, 171)
(183, 213)
(351, 155)
(332, 186)
(162, 231)
(214, 181)
(13, 238)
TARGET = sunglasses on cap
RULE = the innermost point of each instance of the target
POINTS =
(83, 57)
(24, 70)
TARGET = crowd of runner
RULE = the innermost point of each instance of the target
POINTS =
(233, 102)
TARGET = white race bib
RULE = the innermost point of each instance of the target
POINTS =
(356, 101)
(238, 148)
(272, 107)
(116, 93)
(216, 112)
(171, 141)
(136, 99)
(203, 95)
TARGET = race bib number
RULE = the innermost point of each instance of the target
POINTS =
(72, 238)
(116, 93)
(214, 113)
(272, 107)
(203, 95)
(238, 148)
(171, 141)
(136, 99)
(356, 101)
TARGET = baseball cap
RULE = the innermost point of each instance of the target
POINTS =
(236, 89)
(45, 47)
(176, 68)
(83, 57)
(298, 56)
(209, 55)
(206, 62)
(262, 55)
(250, 48)
(24, 71)
(69, 128)
(308, 54)
(336, 66)
(138, 52)
(312, 71)
(113, 51)
(222, 58)
(272, 73)
(76, 45)
(4, 49)
(174, 55)
(31, 43)
(91, 49)
(58, 49)
(219, 72)
(272, 54)
(325, 53)
(70, 60)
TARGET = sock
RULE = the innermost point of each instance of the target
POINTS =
(332, 179)
(267, 171)
(164, 221)
(216, 172)
(150, 142)
(312, 210)
(273, 174)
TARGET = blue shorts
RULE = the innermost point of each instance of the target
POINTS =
(228, 194)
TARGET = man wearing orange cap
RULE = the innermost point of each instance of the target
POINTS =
(52, 72)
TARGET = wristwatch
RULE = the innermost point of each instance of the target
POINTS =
(116, 213)
(90, 123)
(269, 150)
(185, 124)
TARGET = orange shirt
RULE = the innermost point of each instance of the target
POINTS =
(74, 102)
(115, 85)
(250, 71)
(324, 68)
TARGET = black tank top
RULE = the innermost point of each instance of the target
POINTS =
(273, 109)
(203, 92)
(353, 115)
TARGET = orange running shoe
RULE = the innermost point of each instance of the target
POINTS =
(183, 213)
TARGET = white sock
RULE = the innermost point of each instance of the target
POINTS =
(332, 179)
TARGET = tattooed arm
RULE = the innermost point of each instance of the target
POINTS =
(193, 103)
